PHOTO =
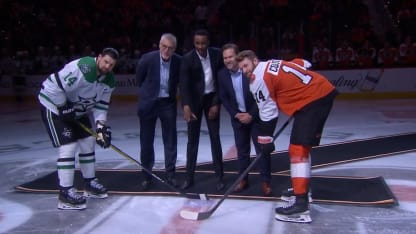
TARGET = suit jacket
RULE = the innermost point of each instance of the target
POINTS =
(148, 78)
(227, 95)
(192, 83)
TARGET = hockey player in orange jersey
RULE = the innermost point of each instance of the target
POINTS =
(308, 97)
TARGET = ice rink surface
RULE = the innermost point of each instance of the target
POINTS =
(26, 153)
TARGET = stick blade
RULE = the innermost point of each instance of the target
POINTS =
(197, 210)
(194, 215)
(189, 214)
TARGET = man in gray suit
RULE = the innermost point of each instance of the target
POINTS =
(157, 75)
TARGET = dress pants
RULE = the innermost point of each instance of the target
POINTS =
(166, 111)
(194, 130)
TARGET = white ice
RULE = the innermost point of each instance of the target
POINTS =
(26, 154)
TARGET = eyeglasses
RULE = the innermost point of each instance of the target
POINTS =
(164, 47)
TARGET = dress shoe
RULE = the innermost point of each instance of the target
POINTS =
(220, 185)
(241, 186)
(187, 184)
(267, 190)
(172, 181)
(146, 184)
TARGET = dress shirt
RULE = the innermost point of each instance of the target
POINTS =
(209, 80)
(164, 78)
(236, 78)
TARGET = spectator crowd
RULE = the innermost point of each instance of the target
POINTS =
(38, 37)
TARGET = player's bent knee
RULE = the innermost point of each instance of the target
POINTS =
(299, 153)
(68, 150)
(86, 145)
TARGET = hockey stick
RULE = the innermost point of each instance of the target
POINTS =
(187, 195)
(194, 215)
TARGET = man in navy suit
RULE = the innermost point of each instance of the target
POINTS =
(199, 95)
(237, 99)
(157, 75)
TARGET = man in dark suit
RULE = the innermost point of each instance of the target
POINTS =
(237, 99)
(157, 75)
(199, 93)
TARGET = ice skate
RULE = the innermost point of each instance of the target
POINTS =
(94, 189)
(288, 195)
(296, 211)
(69, 199)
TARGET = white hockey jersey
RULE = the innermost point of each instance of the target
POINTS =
(267, 107)
(77, 83)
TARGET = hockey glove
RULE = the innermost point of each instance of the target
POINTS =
(266, 144)
(66, 112)
(104, 136)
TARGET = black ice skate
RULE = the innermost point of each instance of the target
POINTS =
(288, 195)
(69, 199)
(297, 211)
(95, 190)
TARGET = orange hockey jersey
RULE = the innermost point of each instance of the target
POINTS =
(291, 85)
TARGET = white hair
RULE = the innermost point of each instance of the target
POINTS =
(170, 37)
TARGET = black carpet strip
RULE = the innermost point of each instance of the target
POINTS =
(338, 153)
(325, 189)
(339, 190)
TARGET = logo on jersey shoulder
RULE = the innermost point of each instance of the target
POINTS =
(274, 66)
(85, 68)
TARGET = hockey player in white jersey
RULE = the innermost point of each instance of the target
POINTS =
(79, 92)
